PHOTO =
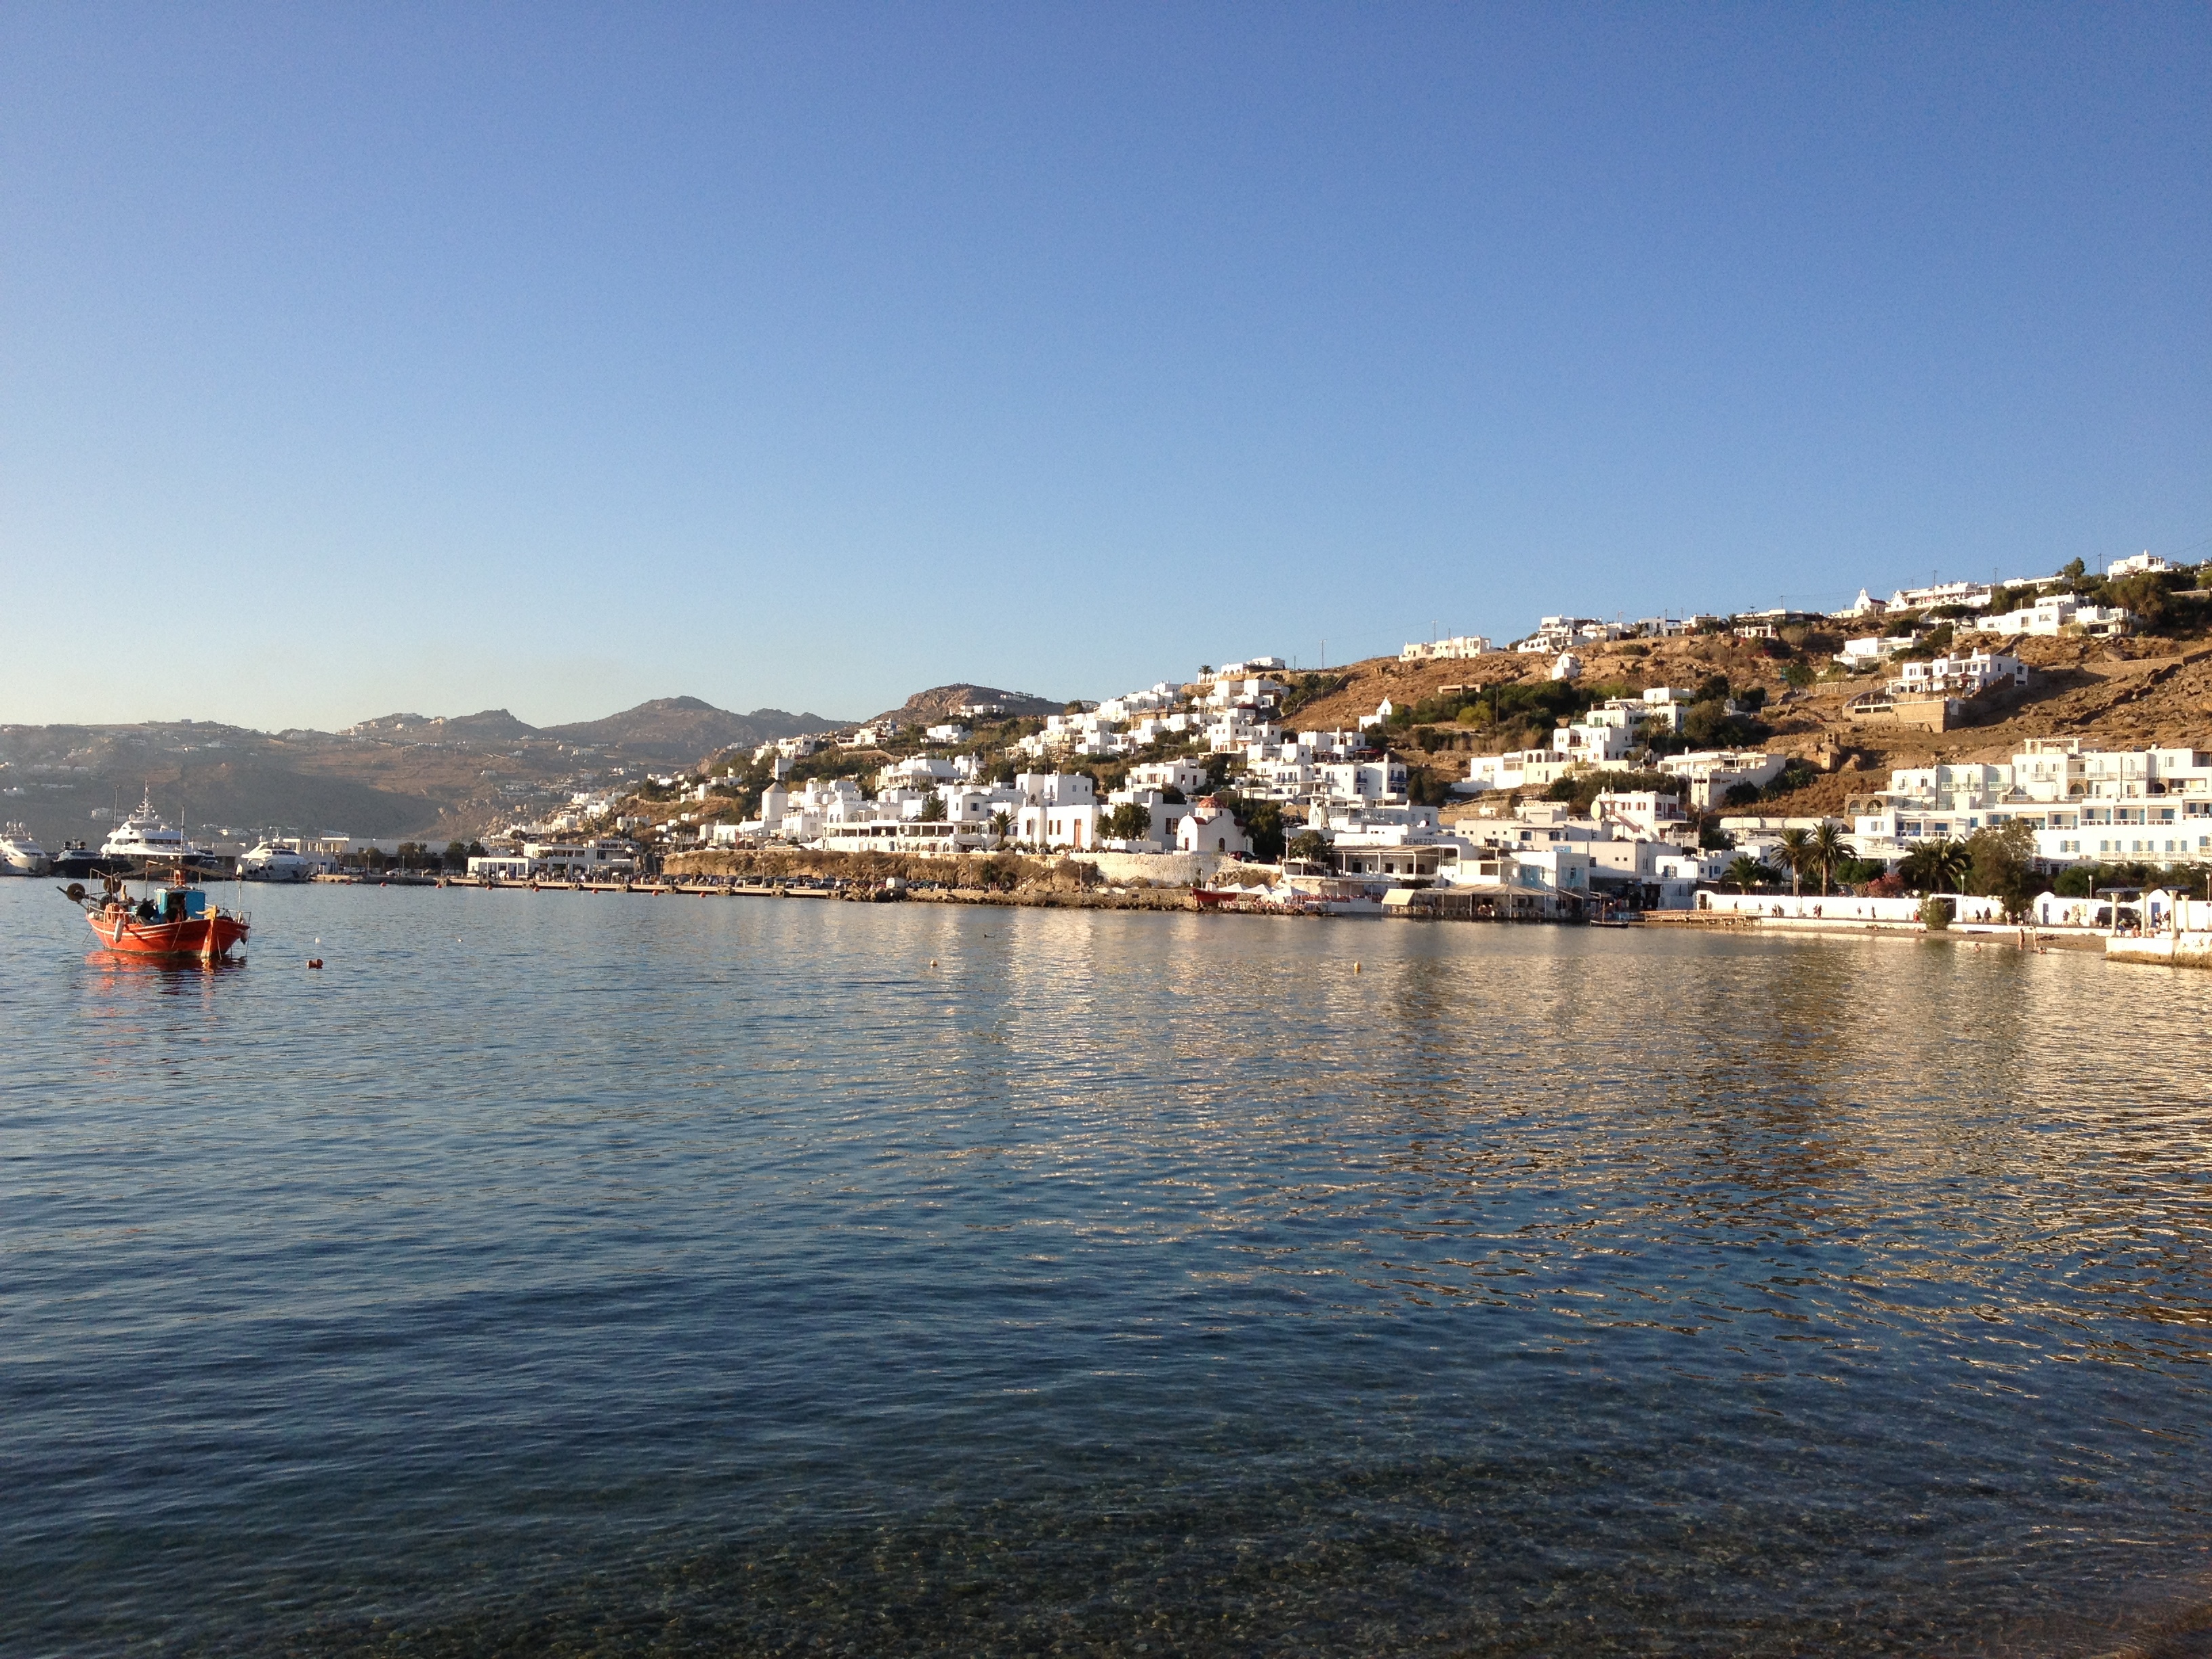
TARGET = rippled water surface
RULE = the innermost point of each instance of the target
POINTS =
(620, 1275)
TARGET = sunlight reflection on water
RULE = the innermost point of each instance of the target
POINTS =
(635, 1275)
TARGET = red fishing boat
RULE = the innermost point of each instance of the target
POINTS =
(177, 921)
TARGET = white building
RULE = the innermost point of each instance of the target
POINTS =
(1953, 676)
(1615, 728)
(1210, 827)
(789, 749)
(1644, 814)
(915, 772)
(1712, 773)
(2082, 805)
(1457, 649)
(1057, 809)
(1874, 649)
(1165, 817)
(2139, 564)
(1516, 768)
(2055, 613)
(1974, 596)
(1556, 633)
(1186, 775)
(1365, 780)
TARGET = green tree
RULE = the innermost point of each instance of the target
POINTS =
(1745, 871)
(2145, 594)
(2076, 881)
(1309, 845)
(2000, 864)
(933, 808)
(1001, 823)
(1129, 821)
(457, 855)
(1262, 820)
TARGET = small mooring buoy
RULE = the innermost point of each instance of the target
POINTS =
(1355, 967)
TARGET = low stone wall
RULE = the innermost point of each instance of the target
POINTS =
(1845, 909)
(1161, 869)
(2165, 949)
(980, 871)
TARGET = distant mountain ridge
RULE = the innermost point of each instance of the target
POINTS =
(403, 774)
(683, 728)
(491, 725)
(661, 728)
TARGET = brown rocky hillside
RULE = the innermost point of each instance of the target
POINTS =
(935, 705)
(2124, 693)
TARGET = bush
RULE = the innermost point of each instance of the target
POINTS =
(1936, 913)
(1582, 788)
(1794, 775)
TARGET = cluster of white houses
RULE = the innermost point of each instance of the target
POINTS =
(2082, 805)
(1638, 849)
(1529, 857)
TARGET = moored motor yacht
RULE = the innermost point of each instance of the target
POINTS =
(143, 838)
(19, 855)
(270, 861)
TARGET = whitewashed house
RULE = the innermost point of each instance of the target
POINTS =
(1712, 773)
(1210, 827)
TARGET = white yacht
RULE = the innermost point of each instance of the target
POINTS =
(270, 862)
(143, 836)
(19, 855)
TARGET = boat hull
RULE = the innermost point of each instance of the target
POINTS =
(204, 938)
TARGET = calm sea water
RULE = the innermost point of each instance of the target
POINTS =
(621, 1275)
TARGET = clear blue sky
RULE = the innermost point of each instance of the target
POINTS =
(552, 357)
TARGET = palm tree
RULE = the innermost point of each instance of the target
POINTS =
(1793, 849)
(1744, 871)
(1827, 850)
(1001, 821)
(1919, 866)
(1955, 863)
(1933, 867)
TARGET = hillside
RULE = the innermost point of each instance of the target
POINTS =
(935, 705)
(400, 775)
(681, 729)
(2128, 693)
(491, 726)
